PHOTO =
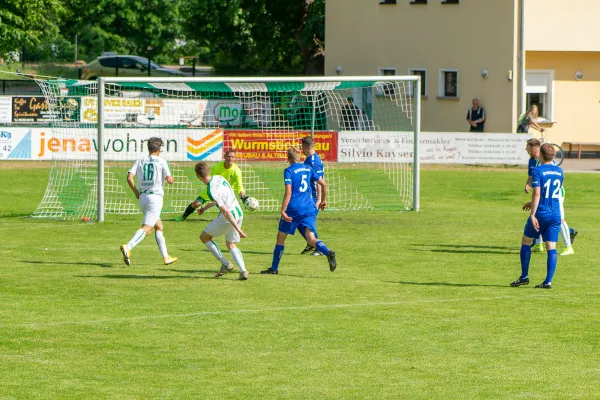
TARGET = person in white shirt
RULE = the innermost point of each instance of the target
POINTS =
(151, 171)
(228, 222)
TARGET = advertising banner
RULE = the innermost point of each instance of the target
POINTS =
(5, 109)
(37, 109)
(435, 147)
(119, 144)
(255, 145)
(195, 113)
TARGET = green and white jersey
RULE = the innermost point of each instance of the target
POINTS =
(151, 172)
(219, 190)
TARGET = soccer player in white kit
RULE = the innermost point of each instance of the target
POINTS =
(228, 222)
(151, 173)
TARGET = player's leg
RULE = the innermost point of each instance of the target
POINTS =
(217, 227)
(189, 210)
(525, 254)
(231, 238)
(162, 244)
(309, 249)
(550, 230)
(565, 232)
(285, 228)
(141, 233)
(322, 248)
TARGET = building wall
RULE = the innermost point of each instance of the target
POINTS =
(576, 103)
(561, 25)
(363, 35)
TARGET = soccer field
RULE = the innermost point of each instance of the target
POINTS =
(419, 307)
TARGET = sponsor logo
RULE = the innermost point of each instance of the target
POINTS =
(200, 149)
(5, 135)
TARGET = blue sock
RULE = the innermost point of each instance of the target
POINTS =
(525, 257)
(551, 265)
(277, 253)
(322, 248)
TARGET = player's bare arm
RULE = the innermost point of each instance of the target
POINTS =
(528, 185)
(322, 189)
(535, 201)
(227, 214)
(131, 184)
(170, 179)
(205, 207)
(286, 200)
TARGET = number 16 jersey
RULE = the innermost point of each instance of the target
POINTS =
(549, 178)
(151, 172)
(299, 175)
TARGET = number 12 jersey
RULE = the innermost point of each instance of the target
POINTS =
(549, 178)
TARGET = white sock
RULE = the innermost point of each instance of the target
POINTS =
(237, 257)
(216, 252)
(162, 244)
(565, 233)
(136, 239)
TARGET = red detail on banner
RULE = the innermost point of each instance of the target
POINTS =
(256, 145)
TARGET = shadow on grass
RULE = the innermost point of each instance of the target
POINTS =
(202, 249)
(447, 284)
(102, 265)
(131, 276)
(466, 249)
(467, 246)
(191, 271)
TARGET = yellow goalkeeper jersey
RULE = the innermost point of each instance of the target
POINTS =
(232, 174)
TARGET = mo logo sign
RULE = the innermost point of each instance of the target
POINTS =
(229, 114)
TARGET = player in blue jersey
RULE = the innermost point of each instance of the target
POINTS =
(546, 182)
(314, 161)
(298, 210)
(567, 234)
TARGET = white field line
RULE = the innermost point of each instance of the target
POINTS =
(271, 309)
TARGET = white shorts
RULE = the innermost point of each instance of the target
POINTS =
(151, 205)
(561, 201)
(220, 226)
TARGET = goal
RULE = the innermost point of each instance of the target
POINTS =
(366, 131)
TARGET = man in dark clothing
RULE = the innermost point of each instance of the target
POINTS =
(476, 117)
(350, 115)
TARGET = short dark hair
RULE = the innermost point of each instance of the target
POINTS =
(229, 151)
(154, 144)
(547, 152)
(534, 143)
(308, 142)
(350, 98)
(202, 169)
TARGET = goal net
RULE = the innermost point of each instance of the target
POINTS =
(364, 131)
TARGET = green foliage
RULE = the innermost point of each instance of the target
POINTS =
(124, 26)
(26, 22)
(252, 37)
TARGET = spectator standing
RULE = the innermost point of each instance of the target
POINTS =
(476, 117)
(350, 115)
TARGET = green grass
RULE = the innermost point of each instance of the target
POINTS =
(419, 307)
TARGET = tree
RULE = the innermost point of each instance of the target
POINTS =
(24, 23)
(259, 36)
(139, 27)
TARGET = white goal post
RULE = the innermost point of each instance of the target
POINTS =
(366, 130)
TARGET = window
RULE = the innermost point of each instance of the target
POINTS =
(422, 72)
(449, 1)
(387, 1)
(448, 83)
(386, 88)
(127, 63)
(418, 1)
(109, 62)
(539, 87)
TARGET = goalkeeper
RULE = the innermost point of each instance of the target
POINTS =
(228, 170)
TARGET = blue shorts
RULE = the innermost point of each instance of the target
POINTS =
(301, 222)
(549, 228)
